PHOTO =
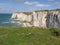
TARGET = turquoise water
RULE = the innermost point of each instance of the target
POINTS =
(5, 20)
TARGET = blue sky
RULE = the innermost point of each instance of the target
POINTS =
(10, 6)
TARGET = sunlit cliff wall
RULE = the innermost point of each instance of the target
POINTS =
(44, 18)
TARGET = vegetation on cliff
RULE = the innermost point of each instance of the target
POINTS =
(27, 13)
(47, 10)
(41, 10)
(29, 36)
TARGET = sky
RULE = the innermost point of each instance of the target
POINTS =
(10, 6)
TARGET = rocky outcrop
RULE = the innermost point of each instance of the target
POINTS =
(42, 18)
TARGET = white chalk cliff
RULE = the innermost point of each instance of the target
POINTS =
(44, 18)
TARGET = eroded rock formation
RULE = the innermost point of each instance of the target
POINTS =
(44, 18)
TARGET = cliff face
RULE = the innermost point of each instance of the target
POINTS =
(23, 18)
(39, 19)
(45, 19)
(53, 19)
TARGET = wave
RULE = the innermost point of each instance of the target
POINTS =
(14, 22)
(11, 22)
(5, 22)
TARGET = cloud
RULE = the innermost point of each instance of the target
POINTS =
(37, 4)
(42, 5)
(30, 3)
(51, 0)
(4, 8)
(19, 0)
(7, 10)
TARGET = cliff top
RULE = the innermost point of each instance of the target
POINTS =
(27, 13)
(30, 13)
(41, 10)
(47, 10)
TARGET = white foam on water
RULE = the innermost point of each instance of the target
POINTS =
(15, 22)
(12, 22)
(5, 22)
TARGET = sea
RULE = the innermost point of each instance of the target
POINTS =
(5, 20)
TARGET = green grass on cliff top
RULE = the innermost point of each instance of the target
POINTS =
(28, 36)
